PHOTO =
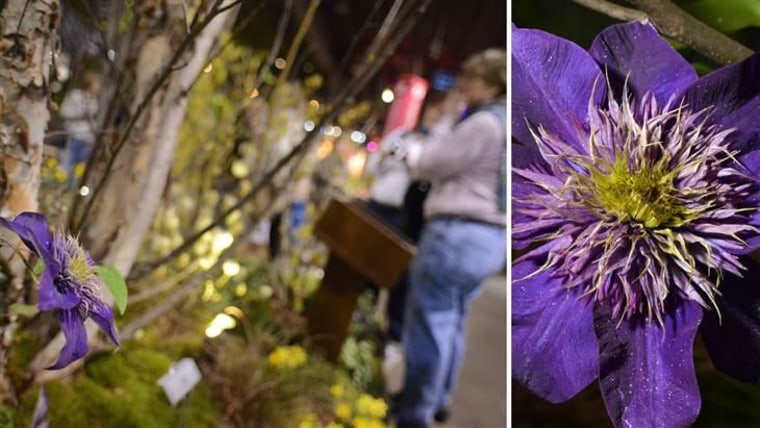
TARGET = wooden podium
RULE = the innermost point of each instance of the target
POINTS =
(362, 250)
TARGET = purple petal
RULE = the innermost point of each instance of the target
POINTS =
(554, 351)
(32, 228)
(751, 163)
(646, 372)
(552, 81)
(50, 298)
(103, 317)
(72, 326)
(635, 53)
(732, 94)
(733, 339)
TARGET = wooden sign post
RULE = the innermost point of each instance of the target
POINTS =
(362, 250)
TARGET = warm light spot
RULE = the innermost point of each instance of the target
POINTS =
(231, 268)
(325, 148)
(208, 68)
(221, 241)
(239, 169)
(205, 263)
(254, 93)
(220, 323)
(314, 104)
(234, 311)
(355, 164)
(387, 96)
(280, 63)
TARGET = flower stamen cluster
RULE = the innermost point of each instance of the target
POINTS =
(653, 210)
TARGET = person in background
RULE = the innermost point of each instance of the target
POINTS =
(79, 109)
(437, 116)
(464, 240)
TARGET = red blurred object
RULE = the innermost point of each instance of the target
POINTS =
(409, 92)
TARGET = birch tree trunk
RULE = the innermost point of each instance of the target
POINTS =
(132, 192)
(29, 31)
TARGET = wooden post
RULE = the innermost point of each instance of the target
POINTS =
(362, 250)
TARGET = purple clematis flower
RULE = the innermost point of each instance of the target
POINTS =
(68, 283)
(635, 203)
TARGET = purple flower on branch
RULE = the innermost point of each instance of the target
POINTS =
(68, 283)
(636, 203)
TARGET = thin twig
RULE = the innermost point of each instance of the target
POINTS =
(674, 22)
(613, 10)
(296, 44)
(282, 26)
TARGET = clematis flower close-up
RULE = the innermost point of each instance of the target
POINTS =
(635, 207)
(68, 283)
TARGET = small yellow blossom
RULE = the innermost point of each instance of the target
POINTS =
(369, 406)
(309, 421)
(60, 175)
(364, 422)
(79, 170)
(337, 391)
(343, 411)
(287, 357)
(51, 163)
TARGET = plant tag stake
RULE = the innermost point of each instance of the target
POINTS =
(180, 380)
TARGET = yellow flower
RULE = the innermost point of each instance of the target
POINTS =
(287, 357)
(51, 163)
(334, 425)
(343, 411)
(60, 175)
(369, 406)
(364, 422)
(79, 170)
(337, 391)
(309, 421)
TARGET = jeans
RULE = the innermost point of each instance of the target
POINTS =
(453, 260)
(76, 151)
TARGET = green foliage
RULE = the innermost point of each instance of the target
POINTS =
(726, 16)
(116, 285)
(120, 390)
(23, 310)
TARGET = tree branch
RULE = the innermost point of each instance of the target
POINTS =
(613, 10)
(674, 22)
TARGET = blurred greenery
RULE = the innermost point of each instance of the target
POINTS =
(725, 402)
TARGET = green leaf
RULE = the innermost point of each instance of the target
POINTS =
(37, 268)
(23, 310)
(725, 16)
(116, 284)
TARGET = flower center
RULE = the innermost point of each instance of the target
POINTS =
(642, 194)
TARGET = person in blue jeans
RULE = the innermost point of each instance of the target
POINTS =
(463, 243)
(79, 109)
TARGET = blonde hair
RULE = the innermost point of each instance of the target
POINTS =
(489, 65)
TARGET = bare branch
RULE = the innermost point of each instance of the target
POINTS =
(296, 44)
(674, 22)
(613, 10)
(282, 26)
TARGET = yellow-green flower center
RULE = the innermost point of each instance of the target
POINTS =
(79, 268)
(640, 193)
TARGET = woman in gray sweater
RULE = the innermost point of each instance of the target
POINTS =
(464, 240)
